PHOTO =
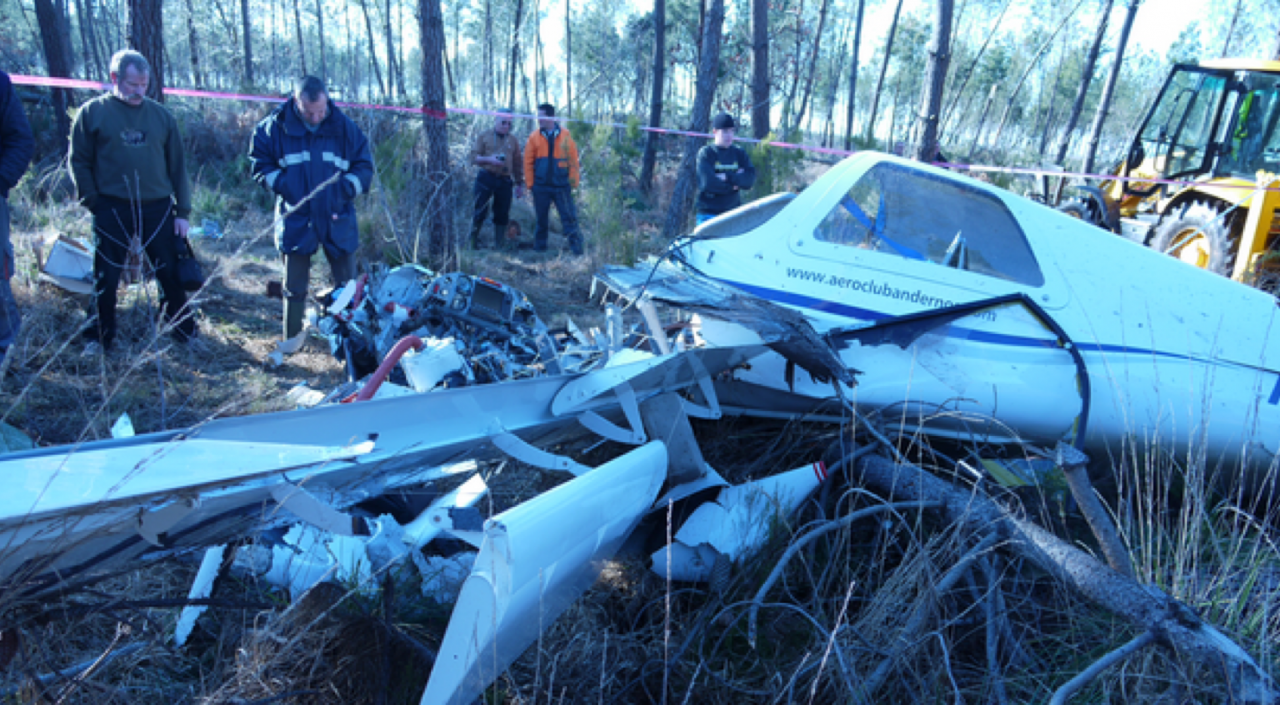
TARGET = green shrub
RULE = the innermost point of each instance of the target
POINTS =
(604, 203)
(774, 167)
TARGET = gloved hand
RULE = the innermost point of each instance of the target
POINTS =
(348, 189)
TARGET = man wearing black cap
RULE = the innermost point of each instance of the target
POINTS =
(723, 171)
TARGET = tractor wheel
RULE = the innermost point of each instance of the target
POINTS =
(1200, 236)
(1084, 210)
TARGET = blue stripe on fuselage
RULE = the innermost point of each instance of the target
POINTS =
(1275, 394)
(831, 307)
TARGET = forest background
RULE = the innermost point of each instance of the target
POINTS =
(999, 82)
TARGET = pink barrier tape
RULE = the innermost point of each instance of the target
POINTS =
(53, 82)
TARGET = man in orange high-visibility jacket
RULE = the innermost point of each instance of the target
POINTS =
(551, 173)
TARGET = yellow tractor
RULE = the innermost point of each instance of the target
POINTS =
(1215, 128)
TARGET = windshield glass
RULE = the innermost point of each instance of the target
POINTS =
(913, 214)
(1181, 125)
(1253, 144)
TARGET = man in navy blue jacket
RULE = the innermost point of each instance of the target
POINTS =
(316, 161)
(16, 147)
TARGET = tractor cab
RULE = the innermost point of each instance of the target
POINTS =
(1215, 125)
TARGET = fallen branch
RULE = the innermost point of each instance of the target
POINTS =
(799, 544)
(1069, 688)
(920, 615)
(1073, 463)
(1174, 625)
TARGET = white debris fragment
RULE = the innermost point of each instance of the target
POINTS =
(201, 588)
(123, 427)
(736, 525)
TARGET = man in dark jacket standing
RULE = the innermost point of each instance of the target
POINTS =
(723, 171)
(16, 147)
(316, 161)
(130, 172)
(551, 173)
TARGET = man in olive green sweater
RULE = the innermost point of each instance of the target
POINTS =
(127, 165)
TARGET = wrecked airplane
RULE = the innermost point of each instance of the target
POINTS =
(939, 304)
(968, 311)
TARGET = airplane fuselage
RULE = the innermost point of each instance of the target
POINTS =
(1175, 358)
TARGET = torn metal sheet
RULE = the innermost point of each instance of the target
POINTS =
(779, 327)
(535, 560)
(736, 524)
(69, 265)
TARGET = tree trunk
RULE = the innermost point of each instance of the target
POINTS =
(935, 79)
(884, 67)
(1049, 105)
(813, 61)
(146, 35)
(193, 44)
(829, 125)
(395, 76)
(275, 45)
(1231, 29)
(1035, 59)
(247, 31)
(487, 63)
(650, 160)
(89, 38)
(515, 54)
(441, 242)
(540, 79)
(973, 65)
(982, 119)
(373, 54)
(57, 57)
(320, 35)
(788, 104)
(1086, 79)
(568, 61)
(853, 80)
(1104, 103)
(708, 68)
(760, 98)
(302, 49)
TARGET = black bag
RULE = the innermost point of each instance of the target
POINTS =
(189, 271)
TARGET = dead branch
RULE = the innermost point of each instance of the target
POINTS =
(920, 614)
(1073, 462)
(1174, 625)
(799, 544)
(1069, 688)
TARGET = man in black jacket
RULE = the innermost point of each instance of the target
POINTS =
(16, 147)
(316, 161)
(723, 171)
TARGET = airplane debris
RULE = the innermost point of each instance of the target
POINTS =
(735, 525)
(534, 560)
(201, 588)
(69, 265)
